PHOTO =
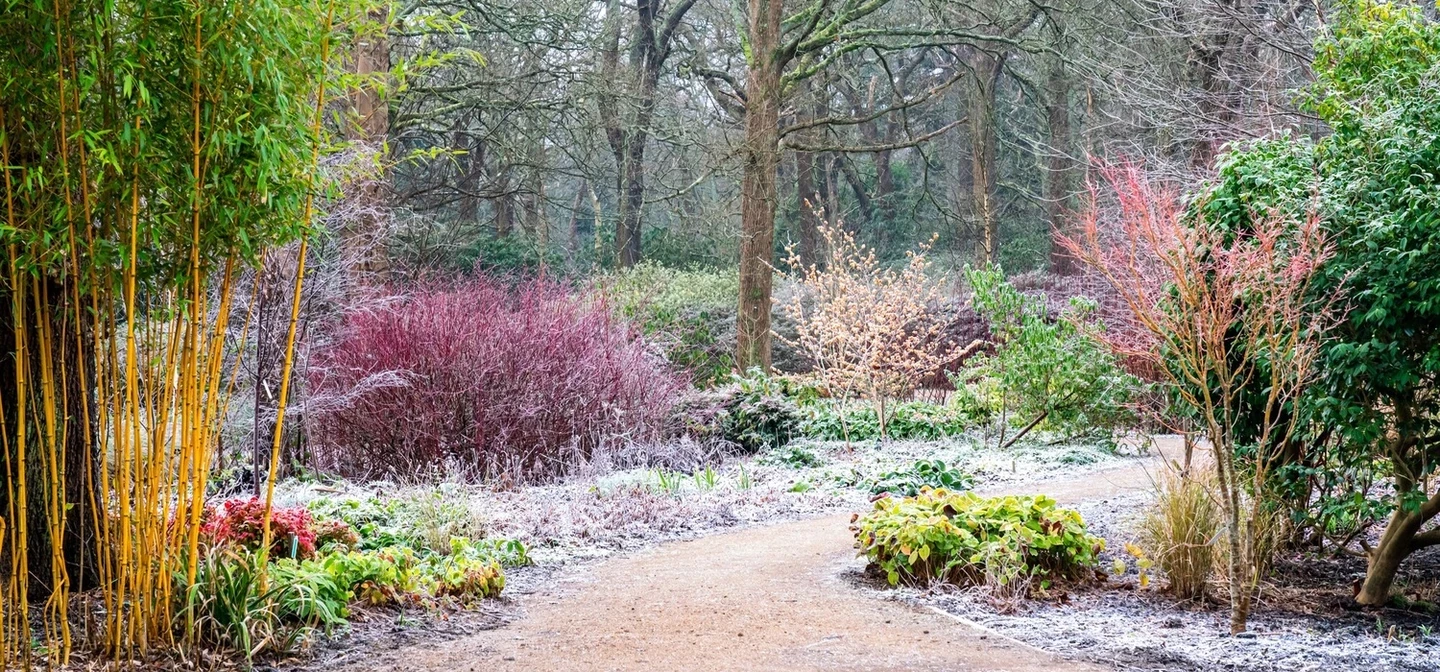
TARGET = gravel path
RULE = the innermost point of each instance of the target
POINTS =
(774, 597)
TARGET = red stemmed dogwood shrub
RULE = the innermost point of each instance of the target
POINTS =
(520, 382)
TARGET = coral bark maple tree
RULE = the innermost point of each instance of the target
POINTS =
(1224, 314)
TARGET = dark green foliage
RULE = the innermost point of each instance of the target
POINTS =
(923, 474)
(1332, 491)
(915, 421)
(761, 411)
(1376, 184)
(507, 255)
(795, 456)
(374, 520)
(1380, 173)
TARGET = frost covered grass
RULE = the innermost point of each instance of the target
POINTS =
(605, 510)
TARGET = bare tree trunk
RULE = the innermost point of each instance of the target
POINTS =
(1240, 568)
(472, 167)
(649, 47)
(811, 192)
(884, 181)
(503, 205)
(761, 157)
(810, 203)
(1211, 63)
(983, 160)
(538, 222)
(632, 199)
(884, 191)
(363, 239)
(1402, 536)
(1058, 175)
(857, 186)
(1383, 561)
(572, 246)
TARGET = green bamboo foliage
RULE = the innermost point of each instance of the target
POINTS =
(150, 148)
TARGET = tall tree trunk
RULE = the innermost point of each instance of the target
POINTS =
(811, 193)
(1383, 561)
(539, 222)
(73, 363)
(632, 199)
(572, 243)
(1059, 164)
(1403, 534)
(810, 203)
(830, 180)
(1211, 61)
(632, 159)
(761, 157)
(884, 182)
(628, 137)
(983, 159)
(472, 167)
(502, 207)
(363, 239)
(857, 186)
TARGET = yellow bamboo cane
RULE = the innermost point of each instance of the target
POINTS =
(267, 533)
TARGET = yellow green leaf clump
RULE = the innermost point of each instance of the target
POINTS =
(963, 538)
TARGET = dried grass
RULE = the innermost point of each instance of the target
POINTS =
(1180, 530)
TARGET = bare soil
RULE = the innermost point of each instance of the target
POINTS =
(775, 597)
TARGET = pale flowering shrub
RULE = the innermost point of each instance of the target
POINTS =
(869, 330)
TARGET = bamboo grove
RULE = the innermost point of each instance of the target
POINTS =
(151, 150)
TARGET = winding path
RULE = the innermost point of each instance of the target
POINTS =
(762, 598)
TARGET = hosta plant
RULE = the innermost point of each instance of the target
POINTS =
(910, 481)
(963, 538)
(914, 421)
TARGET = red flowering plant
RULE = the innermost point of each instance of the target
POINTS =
(241, 522)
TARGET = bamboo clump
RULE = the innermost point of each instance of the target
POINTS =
(118, 283)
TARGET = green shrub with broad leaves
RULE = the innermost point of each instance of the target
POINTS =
(469, 571)
(424, 521)
(1368, 419)
(690, 313)
(375, 521)
(231, 606)
(1050, 371)
(1372, 415)
(910, 481)
(406, 549)
(761, 411)
(963, 538)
